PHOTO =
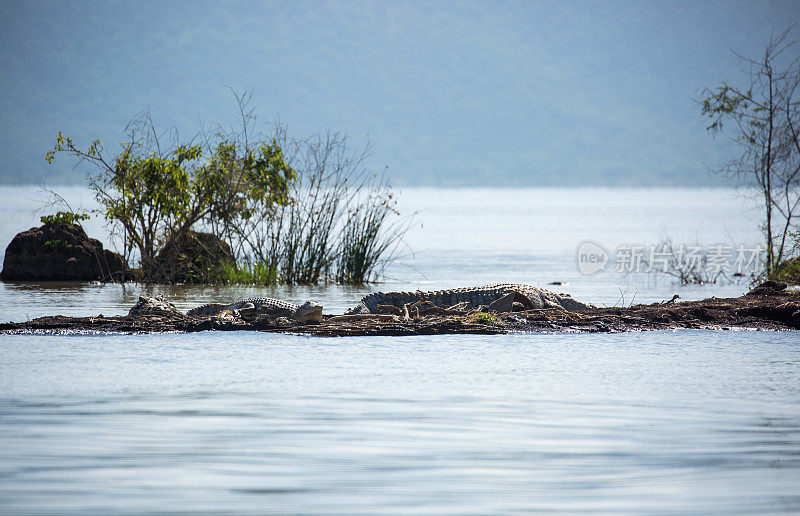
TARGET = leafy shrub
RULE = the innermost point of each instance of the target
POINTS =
(155, 193)
(65, 217)
(787, 271)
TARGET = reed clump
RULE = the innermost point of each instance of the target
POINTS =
(340, 223)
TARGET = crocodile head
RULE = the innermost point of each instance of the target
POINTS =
(308, 311)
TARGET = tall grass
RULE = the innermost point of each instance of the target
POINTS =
(367, 242)
(337, 225)
(258, 273)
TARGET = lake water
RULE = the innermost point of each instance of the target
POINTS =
(685, 421)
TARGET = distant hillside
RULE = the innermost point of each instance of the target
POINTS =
(450, 93)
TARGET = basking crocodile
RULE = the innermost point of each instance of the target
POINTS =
(528, 296)
(251, 307)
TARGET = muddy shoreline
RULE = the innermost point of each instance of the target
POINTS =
(758, 310)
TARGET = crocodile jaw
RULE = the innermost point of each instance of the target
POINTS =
(308, 311)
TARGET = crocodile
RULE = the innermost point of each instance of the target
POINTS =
(156, 305)
(251, 307)
(528, 296)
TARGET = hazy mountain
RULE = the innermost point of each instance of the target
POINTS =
(449, 93)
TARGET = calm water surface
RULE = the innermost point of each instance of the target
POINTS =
(687, 421)
(650, 422)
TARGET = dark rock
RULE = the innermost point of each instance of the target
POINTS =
(59, 252)
(768, 287)
(774, 285)
(193, 259)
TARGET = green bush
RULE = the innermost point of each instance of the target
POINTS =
(155, 193)
(788, 271)
(65, 217)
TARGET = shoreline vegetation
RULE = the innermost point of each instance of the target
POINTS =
(231, 205)
(761, 117)
(767, 307)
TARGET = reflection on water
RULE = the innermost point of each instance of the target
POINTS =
(660, 421)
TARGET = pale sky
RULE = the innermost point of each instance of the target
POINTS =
(449, 93)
